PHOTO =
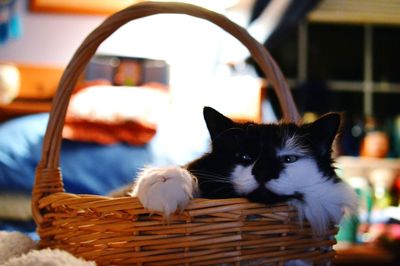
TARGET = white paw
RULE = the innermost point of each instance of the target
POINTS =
(164, 189)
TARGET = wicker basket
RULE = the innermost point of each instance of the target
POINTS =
(119, 231)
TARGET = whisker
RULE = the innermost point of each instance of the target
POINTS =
(210, 177)
(213, 178)
(214, 181)
(211, 174)
(205, 172)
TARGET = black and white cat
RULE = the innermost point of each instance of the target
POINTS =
(267, 163)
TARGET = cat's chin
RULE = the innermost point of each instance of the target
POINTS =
(326, 208)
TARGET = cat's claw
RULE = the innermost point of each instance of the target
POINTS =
(164, 190)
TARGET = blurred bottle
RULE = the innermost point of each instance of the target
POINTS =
(354, 227)
(396, 189)
(309, 117)
(352, 136)
(382, 180)
(375, 143)
(396, 136)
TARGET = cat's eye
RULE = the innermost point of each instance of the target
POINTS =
(289, 158)
(244, 157)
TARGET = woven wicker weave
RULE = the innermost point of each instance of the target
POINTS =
(119, 231)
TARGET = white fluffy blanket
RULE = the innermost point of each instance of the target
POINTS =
(17, 249)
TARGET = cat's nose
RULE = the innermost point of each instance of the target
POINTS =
(265, 171)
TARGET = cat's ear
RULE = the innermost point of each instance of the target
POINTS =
(216, 122)
(324, 130)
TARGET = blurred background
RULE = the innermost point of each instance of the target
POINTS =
(337, 55)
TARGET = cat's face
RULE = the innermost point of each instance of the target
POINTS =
(283, 158)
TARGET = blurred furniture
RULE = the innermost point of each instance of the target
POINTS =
(38, 85)
(78, 6)
(352, 53)
(365, 254)
(22, 107)
(381, 175)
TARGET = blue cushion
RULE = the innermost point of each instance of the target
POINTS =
(86, 167)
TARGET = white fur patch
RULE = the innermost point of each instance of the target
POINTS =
(164, 189)
(300, 175)
(324, 200)
(243, 180)
(291, 147)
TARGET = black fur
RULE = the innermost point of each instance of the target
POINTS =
(235, 144)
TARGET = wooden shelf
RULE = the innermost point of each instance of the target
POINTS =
(22, 107)
(363, 254)
(369, 163)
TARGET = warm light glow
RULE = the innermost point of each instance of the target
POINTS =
(260, 29)
(210, 4)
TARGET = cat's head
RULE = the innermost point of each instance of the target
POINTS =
(281, 157)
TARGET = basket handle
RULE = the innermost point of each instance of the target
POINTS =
(48, 174)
